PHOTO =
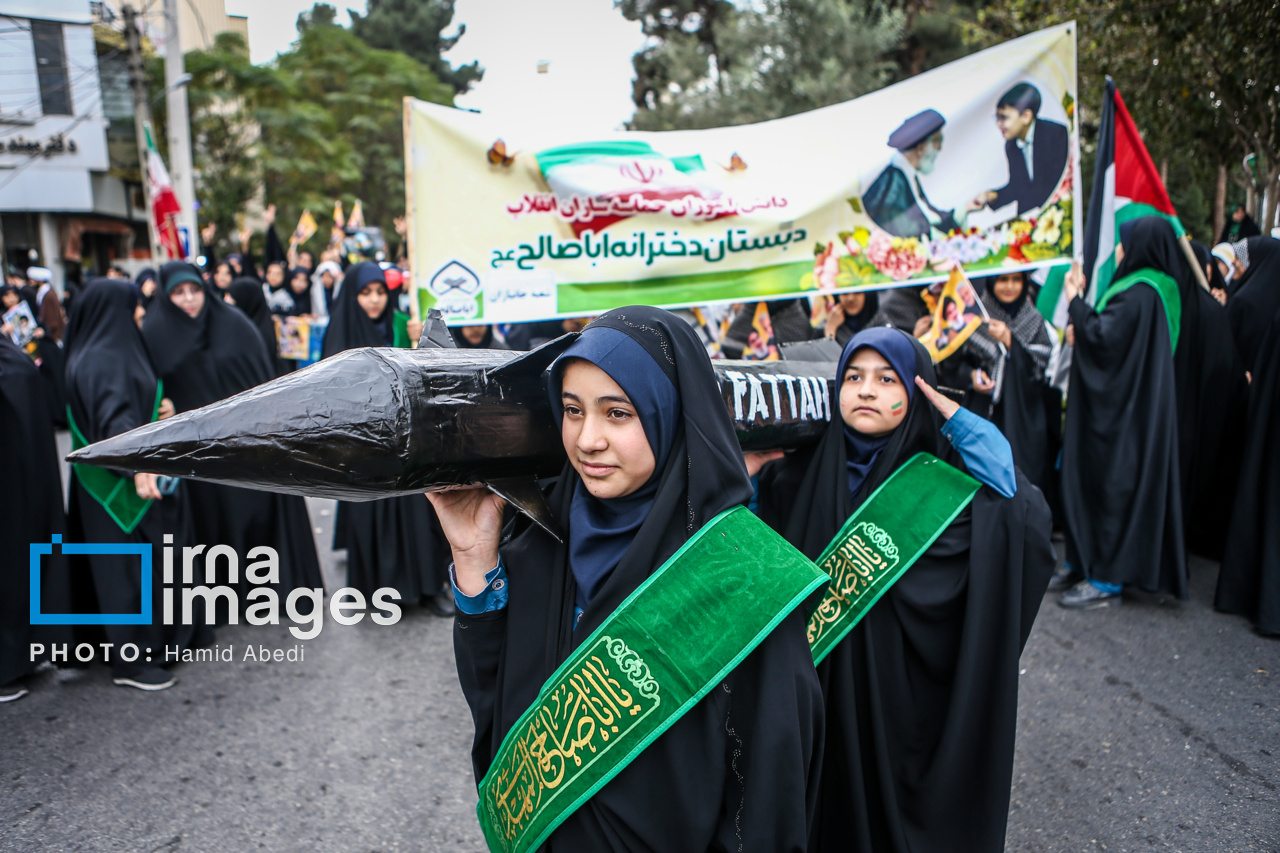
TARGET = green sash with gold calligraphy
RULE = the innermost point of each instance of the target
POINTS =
(663, 649)
(116, 494)
(882, 539)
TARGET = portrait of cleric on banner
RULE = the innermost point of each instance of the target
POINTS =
(1036, 150)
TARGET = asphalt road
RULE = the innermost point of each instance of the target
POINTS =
(1152, 727)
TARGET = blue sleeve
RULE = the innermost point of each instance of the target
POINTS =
(492, 597)
(985, 451)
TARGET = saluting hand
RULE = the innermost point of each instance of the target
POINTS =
(941, 402)
(472, 522)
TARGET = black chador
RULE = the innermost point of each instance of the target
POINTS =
(1121, 489)
(249, 298)
(1212, 395)
(395, 542)
(921, 696)
(203, 359)
(112, 387)
(738, 770)
(1256, 297)
(31, 471)
(1249, 580)
(1023, 405)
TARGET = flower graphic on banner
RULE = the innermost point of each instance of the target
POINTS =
(897, 257)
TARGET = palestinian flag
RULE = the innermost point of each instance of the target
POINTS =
(1126, 186)
(164, 202)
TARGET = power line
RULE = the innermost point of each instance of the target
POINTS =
(32, 158)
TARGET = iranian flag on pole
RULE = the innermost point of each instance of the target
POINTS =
(1126, 186)
(164, 203)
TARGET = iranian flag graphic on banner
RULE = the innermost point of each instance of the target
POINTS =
(164, 203)
(1126, 186)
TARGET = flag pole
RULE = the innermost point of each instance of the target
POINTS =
(1196, 269)
(415, 310)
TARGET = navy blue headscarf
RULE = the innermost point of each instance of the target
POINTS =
(600, 531)
(897, 348)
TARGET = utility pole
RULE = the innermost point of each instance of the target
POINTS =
(141, 117)
(179, 129)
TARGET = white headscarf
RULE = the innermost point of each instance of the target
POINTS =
(319, 304)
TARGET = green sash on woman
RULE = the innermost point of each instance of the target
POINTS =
(664, 648)
(882, 540)
(1165, 287)
(115, 493)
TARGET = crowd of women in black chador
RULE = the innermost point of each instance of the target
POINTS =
(1155, 460)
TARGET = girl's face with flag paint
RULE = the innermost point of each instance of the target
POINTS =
(602, 433)
(873, 400)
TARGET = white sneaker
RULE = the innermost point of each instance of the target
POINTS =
(12, 693)
(149, 679)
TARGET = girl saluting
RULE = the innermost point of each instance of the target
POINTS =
(921, 694)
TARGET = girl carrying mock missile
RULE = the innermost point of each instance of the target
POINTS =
(945, 574)
(646, 683)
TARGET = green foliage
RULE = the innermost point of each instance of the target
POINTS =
(324, 122)
(714, 65)
(414, 27)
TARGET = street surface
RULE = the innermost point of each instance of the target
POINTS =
(1153, 726)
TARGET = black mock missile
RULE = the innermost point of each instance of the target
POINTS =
(379, 422)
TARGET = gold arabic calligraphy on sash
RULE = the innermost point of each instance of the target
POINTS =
(587, 712)
(865, 556)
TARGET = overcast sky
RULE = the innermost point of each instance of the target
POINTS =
(587, 42)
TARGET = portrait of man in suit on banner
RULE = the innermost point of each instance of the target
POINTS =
(1036, 149)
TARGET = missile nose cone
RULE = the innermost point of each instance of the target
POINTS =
(334, 429)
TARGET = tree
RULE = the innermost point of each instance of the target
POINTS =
(415, 27)
(716, 66)
(341, 132)
(225, 86)
(325, 121)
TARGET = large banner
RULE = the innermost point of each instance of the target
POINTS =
(972, 164)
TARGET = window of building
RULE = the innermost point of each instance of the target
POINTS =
(51, 67)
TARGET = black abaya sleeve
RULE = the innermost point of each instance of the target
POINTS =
(274, 251)
(478, 642)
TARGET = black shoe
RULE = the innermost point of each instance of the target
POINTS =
(441, 604)
(149, 678)
(1064, 577)
(1086, 596)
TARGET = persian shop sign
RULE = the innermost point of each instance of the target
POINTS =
(972, 164)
